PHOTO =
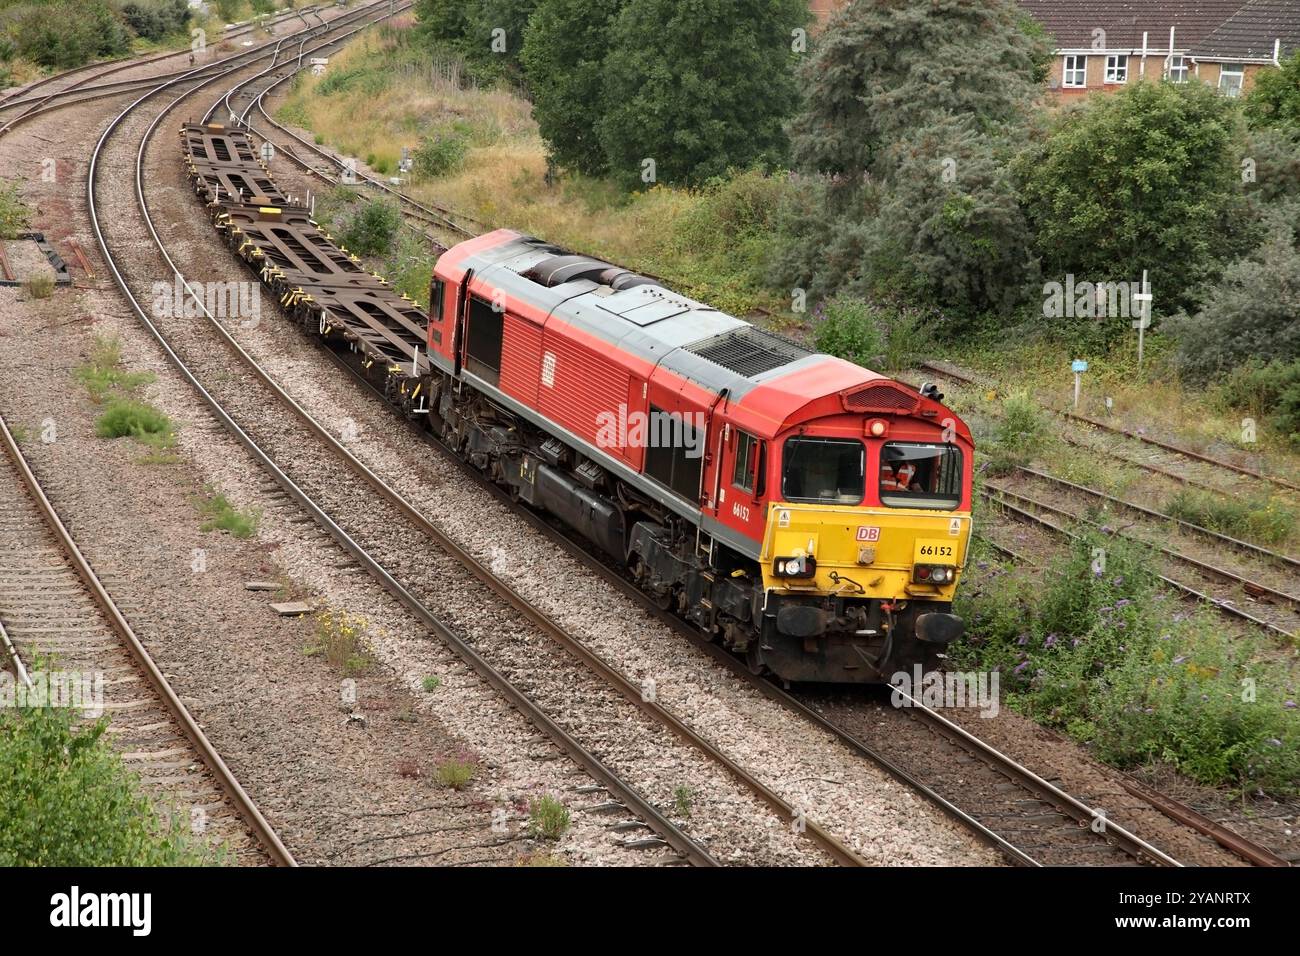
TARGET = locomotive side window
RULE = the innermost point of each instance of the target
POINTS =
(920, 476)
(674, 454)
(742, 476)
(828, 471)
(483, 341)
(437, 293)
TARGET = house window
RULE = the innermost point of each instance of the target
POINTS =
(1117, 68)
(1176, 70)
(1230, 79)
(1075, 74)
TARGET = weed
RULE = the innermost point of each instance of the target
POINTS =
(40, 286)
(103, 374)
(683, 797)
(431, 683)
(1263, 520)
(124, 417)
(548, 818)
(541, 859)
(223, 516)
(340, 637)
(456, 771)
(14, 214)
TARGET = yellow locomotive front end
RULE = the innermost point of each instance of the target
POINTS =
(862, 556)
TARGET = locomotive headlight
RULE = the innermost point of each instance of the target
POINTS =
(795, 567)
(934, 574)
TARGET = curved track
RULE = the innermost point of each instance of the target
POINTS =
(313, 468)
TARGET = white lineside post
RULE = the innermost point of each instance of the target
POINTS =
(1144, 319)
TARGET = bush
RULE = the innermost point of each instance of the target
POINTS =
(39, 286)
(442, 153)
(67, 799)
(1148, 178)
(847, 327)
(156, 19)
(63, 34)
(1094, 646)
(1270, 393)
(1020, 434)
(1266, 521)
(1275, 98)
(371, 231)
(1250, 315)
(882, 337)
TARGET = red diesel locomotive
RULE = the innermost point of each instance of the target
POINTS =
(810, 514)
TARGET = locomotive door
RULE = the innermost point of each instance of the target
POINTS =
(741, 473)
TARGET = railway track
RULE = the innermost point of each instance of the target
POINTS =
(54, 610)
(90, 89)
(1187, 454)
(1030, 820)
(1068, 807)
(388, 537)
(1071, 843)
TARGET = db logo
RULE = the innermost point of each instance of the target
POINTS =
(866, 533)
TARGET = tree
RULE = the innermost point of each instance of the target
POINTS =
(487, 34)
(1249, 316)
(698, 87)
(1275, 98)
(912, 112)
(563, 58)
(1149, 178)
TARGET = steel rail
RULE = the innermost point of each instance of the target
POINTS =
(1128, 433)
(611, 675)
(1222, 606)
(270, 841)
(18, 95)
(676, 838)
(1161, 516)
(1132, 844)
(1205, 567)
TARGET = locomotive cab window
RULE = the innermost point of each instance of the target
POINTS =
(483, 341)
(920, 476)
(747, 448)
(824, 471)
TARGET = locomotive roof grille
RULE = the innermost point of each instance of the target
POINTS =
(748, 351)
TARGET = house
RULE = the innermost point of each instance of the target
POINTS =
(1102, 45)
(1259, 35)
